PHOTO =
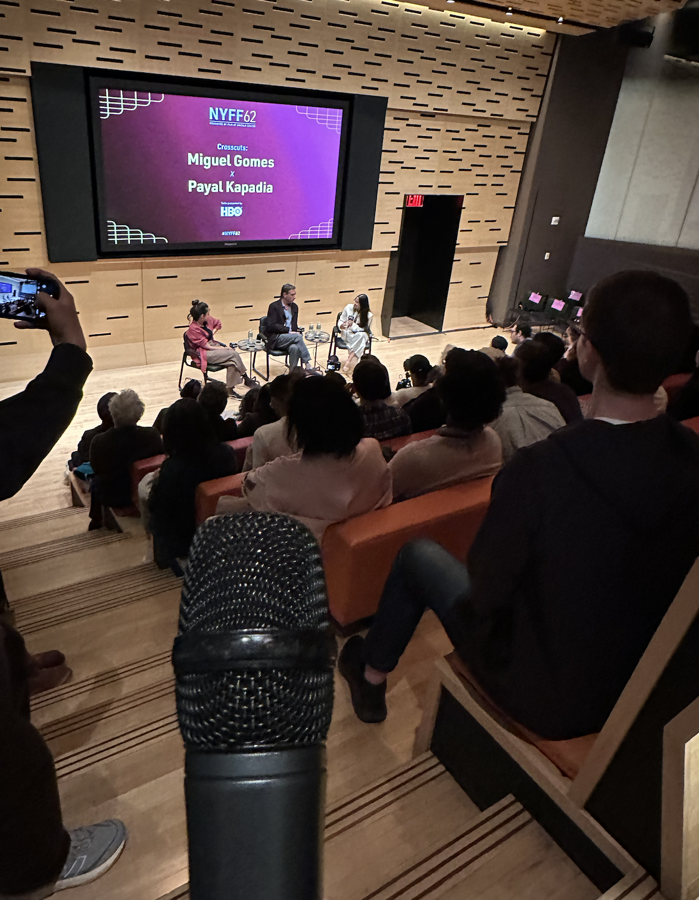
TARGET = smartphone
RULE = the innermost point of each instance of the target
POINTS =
(18, 295)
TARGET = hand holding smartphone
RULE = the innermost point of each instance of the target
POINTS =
(39, 300)
(19, 297)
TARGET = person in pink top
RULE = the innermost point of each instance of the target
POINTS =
(200, 337)
(336, 475)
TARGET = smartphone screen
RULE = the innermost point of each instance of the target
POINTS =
(18, 297)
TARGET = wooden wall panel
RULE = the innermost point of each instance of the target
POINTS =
(430, 154)
(468, 289)
(21, 217)
(462, 92)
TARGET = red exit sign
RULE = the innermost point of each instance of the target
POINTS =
(414, 200)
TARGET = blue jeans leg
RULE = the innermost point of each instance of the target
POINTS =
(424, 576)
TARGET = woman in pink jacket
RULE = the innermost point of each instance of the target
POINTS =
(200, 337)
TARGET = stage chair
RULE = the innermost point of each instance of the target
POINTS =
(358, 553)
(190, 360)
(622, 801)
(268, 352)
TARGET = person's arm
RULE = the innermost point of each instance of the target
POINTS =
(502, 556)
(344, 318)
(32, 421)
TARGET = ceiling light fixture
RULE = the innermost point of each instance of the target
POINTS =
(560, 20)
(509, 11)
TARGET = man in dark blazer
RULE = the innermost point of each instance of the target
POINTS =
(282, 328)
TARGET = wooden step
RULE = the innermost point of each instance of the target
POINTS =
(54, 608)
(415, 836)
(70, 561)
(59, 547)
(41, 527)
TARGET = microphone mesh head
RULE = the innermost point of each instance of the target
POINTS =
(254, 571)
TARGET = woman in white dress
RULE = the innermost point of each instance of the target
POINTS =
(355, 326)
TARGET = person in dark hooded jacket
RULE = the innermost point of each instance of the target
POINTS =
(587, 540)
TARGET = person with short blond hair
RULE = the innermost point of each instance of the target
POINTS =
(113, 453)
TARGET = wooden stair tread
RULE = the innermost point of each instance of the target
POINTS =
(29, 531)
(57, 547)
(82, 562)
(38, 518)
(52, 609)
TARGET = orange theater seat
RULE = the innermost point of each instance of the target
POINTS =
(358, 554)
(693, 424)
(674, 383)
(140, 469)
(207, 494)
(240, 445)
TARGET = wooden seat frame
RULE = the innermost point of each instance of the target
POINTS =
(635, 798)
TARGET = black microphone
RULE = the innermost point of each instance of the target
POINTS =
(254, 662)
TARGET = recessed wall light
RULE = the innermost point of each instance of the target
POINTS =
(560, 20)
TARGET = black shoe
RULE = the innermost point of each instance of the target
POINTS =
(250, 382)
(368, 700)
(234, 395)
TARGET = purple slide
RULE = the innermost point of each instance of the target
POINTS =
(182, 170)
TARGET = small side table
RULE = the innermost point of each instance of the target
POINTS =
(316, 338)
(252, 348)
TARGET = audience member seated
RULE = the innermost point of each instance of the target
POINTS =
(271, 441)
(419, 368)
(525, 419)
(336, 475)
(79, 461)
(619, 493)
(194, 455)
(534, 359)
(520, 332)
(427, 410)
(556, 348)
(190, 390)
(81, 456)
(337, 378)
(685, 404)
(568, 368)
(373, 387)
(213, 399)
(473, 393)
(112, 454)
(497, 349)
(261, 414)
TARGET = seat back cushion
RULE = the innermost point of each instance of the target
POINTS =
(208, 493)
(358, 554)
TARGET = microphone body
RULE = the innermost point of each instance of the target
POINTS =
(238, 802)
(254, 679)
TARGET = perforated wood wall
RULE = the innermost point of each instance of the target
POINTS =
(463, 92)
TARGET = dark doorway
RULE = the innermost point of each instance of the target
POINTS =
(418, 278)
